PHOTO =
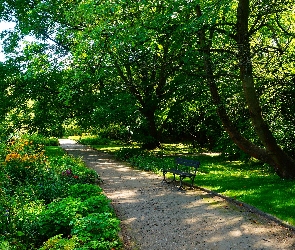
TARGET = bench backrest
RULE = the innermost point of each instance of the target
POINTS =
(191, 166)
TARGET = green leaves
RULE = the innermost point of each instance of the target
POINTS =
(38, 207)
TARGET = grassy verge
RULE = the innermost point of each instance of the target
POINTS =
(252, 182)
(49, 200)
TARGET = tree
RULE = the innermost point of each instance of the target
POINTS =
(143, 42)
(283, 164)
(158, 56)
(272, 153)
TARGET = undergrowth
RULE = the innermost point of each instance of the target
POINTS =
(49, 200)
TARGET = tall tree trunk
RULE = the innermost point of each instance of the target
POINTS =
(283, 164)
(248, 147)
(152, 137)
(244, 144)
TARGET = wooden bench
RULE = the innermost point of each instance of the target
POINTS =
(185, 168)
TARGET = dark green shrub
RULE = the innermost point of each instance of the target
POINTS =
(57, 217)
(94, 140)
(124, 154)
(95, 204)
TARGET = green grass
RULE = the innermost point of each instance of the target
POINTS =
(252, 183)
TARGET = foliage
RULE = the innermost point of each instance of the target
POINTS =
(126, 153)
(156, 71)
(97, 230)
(94, 140)
(45, 199)
(42, 140)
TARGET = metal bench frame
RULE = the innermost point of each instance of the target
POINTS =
(184, 168)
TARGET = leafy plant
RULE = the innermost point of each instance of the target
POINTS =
(42, 197)
(97, 231)
(57, 242)
(94, 140)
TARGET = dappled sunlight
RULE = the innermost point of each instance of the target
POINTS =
(125, 196)
(211, 154)
(190, 219)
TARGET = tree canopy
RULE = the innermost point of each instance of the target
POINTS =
(158, 70)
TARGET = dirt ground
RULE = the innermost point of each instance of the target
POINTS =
(155, 215)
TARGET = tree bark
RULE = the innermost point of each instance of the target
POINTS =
(152, 137)
(248, 147)
(283, 164)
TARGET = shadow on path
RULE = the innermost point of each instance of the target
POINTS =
(155, 215)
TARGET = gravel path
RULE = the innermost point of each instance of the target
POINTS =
(155, 215)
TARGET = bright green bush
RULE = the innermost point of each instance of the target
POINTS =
(42, 198)
(57, 242)
(97, 231)
(84, 191)
(38, 139)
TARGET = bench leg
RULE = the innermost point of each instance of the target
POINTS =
(165, 180)
(181, 180)
(192, 185)
(174, 180)
(180, 184)
(164, 173)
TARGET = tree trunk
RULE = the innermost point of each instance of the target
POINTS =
(248, 147)
(283, 164)
(148, 108)
(244, 144)
(152, 138)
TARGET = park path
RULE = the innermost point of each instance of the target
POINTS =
(155, 215)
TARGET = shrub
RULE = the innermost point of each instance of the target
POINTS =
(124, 154)
(38, 139)
(94, 140)
(57, 242)
(57, 217)
(84, 191)
(97, 231)
(24, 161)
(73, 170)
(42, 199)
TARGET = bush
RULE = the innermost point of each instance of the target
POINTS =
(42, 199)
(38, 139)
(94, 140)
(84, 191)
(57, 242)
(24, 161)
(97, 231)
(124, 154)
